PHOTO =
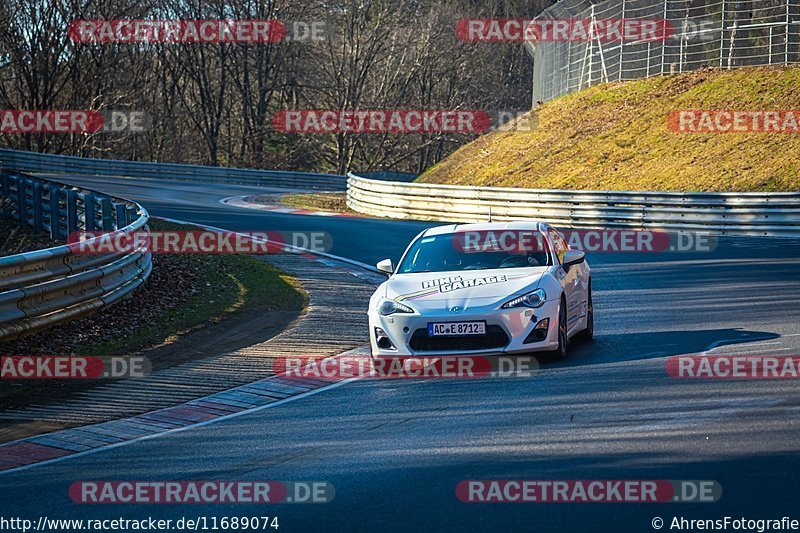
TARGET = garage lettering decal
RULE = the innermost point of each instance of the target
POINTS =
(454, 283)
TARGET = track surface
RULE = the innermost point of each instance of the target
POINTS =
(395, 451)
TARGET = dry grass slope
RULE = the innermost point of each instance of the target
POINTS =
(616, 137)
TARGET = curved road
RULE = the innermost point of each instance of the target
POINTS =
(395, 451)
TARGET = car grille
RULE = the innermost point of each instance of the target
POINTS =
(495, 338)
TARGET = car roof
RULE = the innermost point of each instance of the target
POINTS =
(529, 225)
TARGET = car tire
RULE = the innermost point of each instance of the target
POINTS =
(588, 333)
(563, 337)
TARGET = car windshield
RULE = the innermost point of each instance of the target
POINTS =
(448, 252)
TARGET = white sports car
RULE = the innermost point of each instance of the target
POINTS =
(482, 289)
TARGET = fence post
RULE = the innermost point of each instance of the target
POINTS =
(536, 55)
(569, 68)
(591, 51)
(722, 36)
(663, 46)
(770, 45)
(792, 53)
(786, 35)
(621, 47)
(730, 49)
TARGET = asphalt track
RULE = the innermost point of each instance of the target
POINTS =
(395, 450)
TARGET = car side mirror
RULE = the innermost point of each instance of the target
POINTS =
(386, 266)
(573, 257)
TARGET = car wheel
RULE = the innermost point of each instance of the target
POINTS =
(563, 338)
(588, 333)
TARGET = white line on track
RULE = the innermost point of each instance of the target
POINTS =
(178, 430)
(225, 417)
(286, 246)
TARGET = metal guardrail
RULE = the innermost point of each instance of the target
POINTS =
(770, 214)
(22, 161)
(43, 288)
(387, 175)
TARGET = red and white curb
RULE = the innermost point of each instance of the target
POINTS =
(266, 393)
(71, 443)
(241, 201)
(356, 268)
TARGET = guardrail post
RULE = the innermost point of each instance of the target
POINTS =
(106, 214)
(72, 212)
(22, 208)
(36, 190)
(55, 212)
(6, 194)
(89, 212)
(133, 213)
(122, 215)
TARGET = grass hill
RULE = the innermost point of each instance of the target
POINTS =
(616, 137)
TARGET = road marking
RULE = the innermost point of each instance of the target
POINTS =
(180, 429)
(241, 202)
(294, 249)
(198, 424)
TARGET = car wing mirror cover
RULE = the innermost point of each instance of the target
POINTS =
(573, 257)
(386, 266)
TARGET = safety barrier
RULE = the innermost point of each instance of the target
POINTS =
(22, 161)
(43, 288)
(772, 214)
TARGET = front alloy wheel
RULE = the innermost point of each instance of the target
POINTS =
(588, 333)
(563, 339)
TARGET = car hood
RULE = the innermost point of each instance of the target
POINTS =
(460, 287)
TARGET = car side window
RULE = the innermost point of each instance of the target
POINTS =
(560, 246)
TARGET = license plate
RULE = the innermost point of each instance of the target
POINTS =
(449, 329)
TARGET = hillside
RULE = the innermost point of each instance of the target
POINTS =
(616, 136)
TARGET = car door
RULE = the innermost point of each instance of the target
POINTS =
(572, 281)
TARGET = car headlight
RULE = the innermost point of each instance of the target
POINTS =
(532, 299)
(389, 307)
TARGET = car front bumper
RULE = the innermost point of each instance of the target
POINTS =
(507, 331)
